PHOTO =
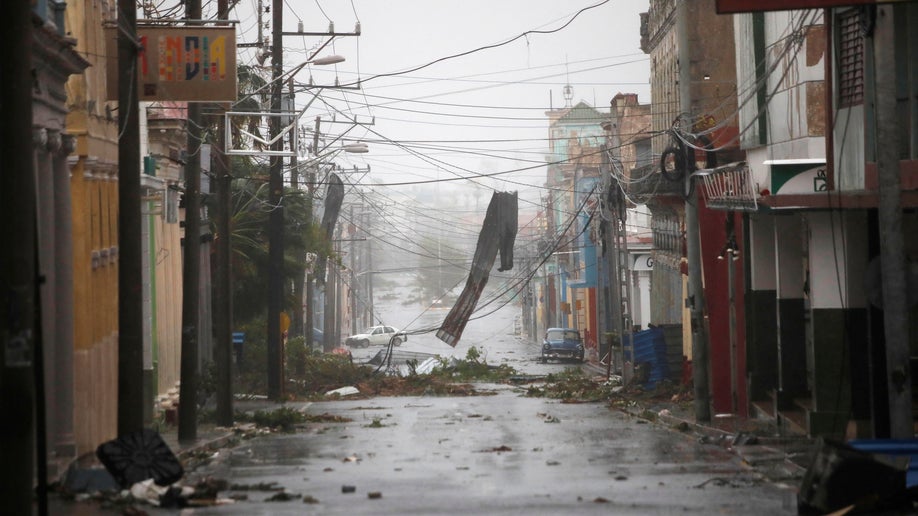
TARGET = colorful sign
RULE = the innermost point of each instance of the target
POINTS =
(180, 63)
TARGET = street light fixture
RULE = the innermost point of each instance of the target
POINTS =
(327, 60)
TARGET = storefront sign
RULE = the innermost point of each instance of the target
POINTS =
(180, 64)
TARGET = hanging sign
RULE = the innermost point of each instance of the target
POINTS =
(179, 63)
(746, 6)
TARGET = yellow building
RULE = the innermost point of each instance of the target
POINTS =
(94, 173)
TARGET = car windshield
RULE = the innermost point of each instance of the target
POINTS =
(563, 334)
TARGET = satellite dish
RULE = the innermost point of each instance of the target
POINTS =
(873, 283)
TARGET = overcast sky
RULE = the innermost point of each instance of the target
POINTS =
(480, 113)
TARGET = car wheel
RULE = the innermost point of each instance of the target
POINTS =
(396, 341)
(365, 343)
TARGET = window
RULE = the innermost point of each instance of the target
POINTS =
(850, 59)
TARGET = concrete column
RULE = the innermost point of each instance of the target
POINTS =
(791, 311)
(64, 442)
(837, 265)
(761, 308)
(45, 143)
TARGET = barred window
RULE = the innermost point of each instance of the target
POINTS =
(850, 59)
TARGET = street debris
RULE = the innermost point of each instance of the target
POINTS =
(377, 423)
(348, 489)
(343, 391)
(843, 478)
(498, 449)
(374, 495)
(263, 486)
(548, 418)
(137, 456)
(283, 496)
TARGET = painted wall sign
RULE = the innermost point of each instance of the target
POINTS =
(747, 6)
(643, 262)
(180, 64)
(797, 176)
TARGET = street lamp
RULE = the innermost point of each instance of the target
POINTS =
(327, 60)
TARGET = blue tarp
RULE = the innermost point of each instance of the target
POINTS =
(649, 352)
(893, 448)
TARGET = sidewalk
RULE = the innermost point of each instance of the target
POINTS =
(211, 437)
(780, 456)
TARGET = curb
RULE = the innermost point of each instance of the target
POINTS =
(183, 452)
(764, 453)
(767, 449)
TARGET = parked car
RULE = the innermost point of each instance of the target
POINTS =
(562, 343)
(377, 336)
(318, 337)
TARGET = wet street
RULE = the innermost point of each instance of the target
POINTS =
(501, 453)
(498, 454)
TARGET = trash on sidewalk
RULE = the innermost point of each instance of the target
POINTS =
(147, 491)
(90, 479)
(139, 455)
(343, 391)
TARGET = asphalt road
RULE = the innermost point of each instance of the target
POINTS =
(499, 453)
(496, 454)
(502, 453)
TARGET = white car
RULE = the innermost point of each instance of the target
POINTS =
(376, 335)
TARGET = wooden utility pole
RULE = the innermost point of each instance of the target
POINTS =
(191, 272)
(17, 261)
(700, 358)
(276, 217)
(892, 244)
(223, 292)
(130, 260)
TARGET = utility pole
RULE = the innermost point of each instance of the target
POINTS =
(353, 287)
(310, 278)
(892, 244)
(695, 299)
(17, 261)
(276, 218)
(372, 319)
(130, 270)
(331, 301)
(297, 326)
(191, 273)
(223, 293)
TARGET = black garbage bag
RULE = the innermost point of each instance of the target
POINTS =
(140, 455)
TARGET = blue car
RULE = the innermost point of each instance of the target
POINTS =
(562, 344)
